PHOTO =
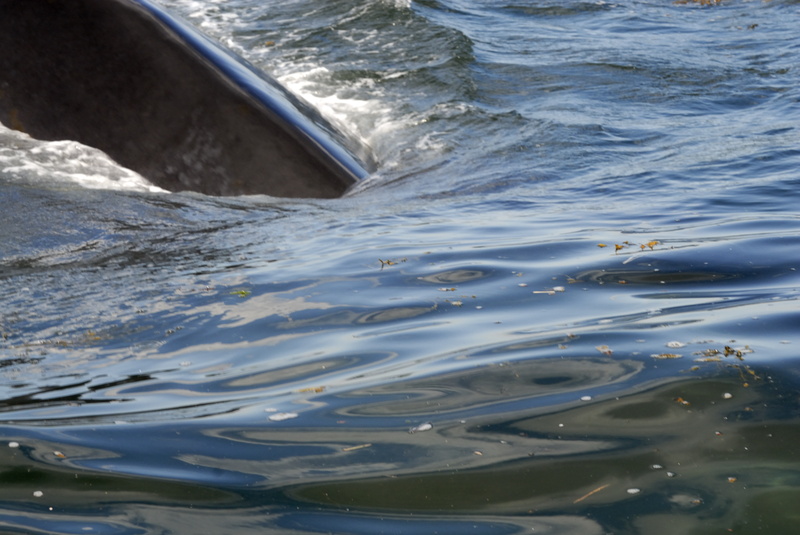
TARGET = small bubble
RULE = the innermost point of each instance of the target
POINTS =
(427, 426)
(281, 416)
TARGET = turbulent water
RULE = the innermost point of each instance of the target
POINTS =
(566, 303)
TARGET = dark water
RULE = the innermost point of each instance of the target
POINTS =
(574, 278)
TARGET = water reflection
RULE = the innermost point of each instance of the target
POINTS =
(561, 446)
(534, 383)
(708, 453)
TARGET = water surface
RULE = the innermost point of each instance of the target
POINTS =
(574, 277)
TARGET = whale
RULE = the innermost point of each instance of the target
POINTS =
(167, 101)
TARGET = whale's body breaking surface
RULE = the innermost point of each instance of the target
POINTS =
(164, 100)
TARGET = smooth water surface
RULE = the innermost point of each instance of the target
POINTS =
(566, 303)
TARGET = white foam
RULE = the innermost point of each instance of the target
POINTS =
(307, 80)
(355, 114)
(30, 160)
(360, 107)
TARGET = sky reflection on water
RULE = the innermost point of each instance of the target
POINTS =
(582, 236)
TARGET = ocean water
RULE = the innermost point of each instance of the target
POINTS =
(566, 302)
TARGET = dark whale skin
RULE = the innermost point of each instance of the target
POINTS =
(159, 97)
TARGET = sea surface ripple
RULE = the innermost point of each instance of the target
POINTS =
(567, 302)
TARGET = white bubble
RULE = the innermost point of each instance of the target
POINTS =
(427, 426)
(280, 416)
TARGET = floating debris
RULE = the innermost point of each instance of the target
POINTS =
(708, 359)
(633, 490)
(315, 389)
(675, 344)
(586, 398)
(427, 426)
(656, 467)
(598, 489)
(732, 479)
(624, 245)
(605, 350)
(281, 416)
(686, 500)
(385, 263)
(59, 455)
(354, 448)
(240, 293)
(38, 493)
(664, 356)
(13, 444)
(551, 291)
